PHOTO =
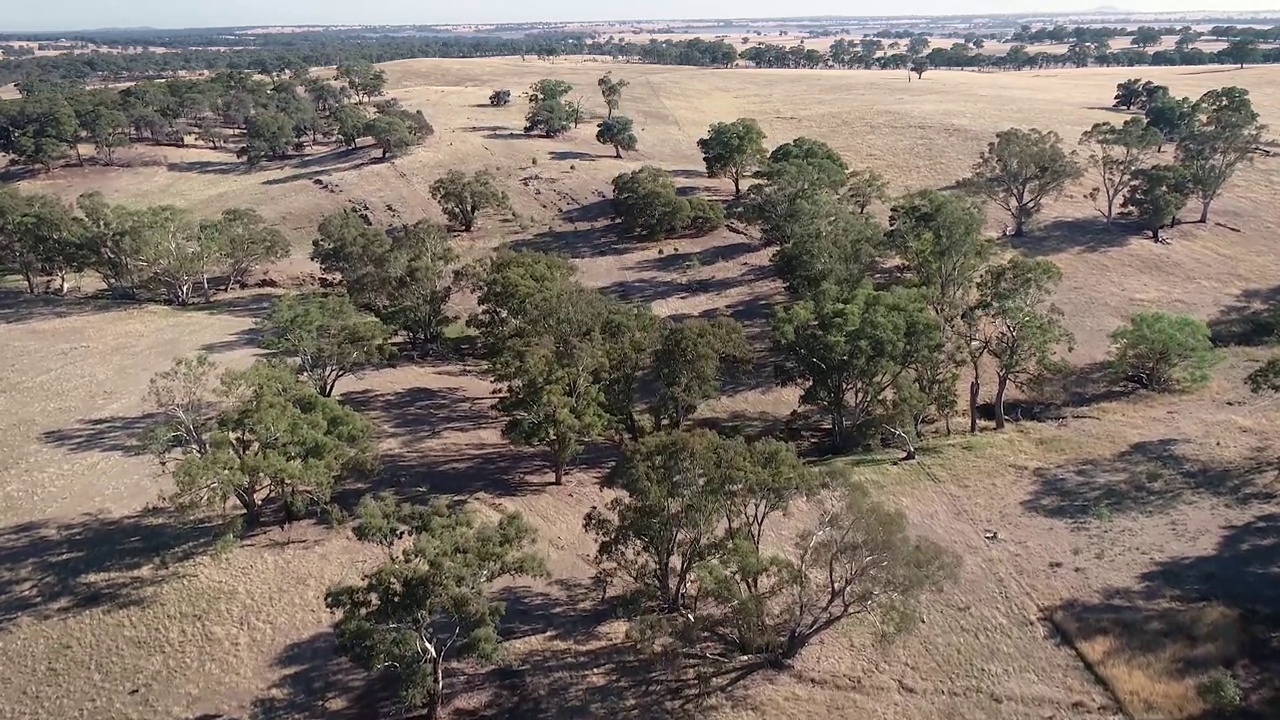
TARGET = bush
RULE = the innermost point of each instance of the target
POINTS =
(704, 216)
(1220, 691)
(500, 98)
(648, 206)
(1163, 352)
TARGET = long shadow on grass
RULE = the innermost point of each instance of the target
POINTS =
(1147, 477)
(1252, 319)
(120, 434)
(1200, 613)
(53, 567)
(17, 307)
(1083, 234)
(316, 682)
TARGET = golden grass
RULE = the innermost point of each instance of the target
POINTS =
(1156, 657)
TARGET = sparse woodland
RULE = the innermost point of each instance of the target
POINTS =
(901, 316)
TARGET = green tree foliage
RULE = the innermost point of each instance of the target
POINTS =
(267, 135)
(1023, 330)
(1172, 117)
(39, 237)
(549, 118)
(1115, 154)
(828, 245)
(1218, 145)
(463, 197)
(363, 79)
(1145, 37)
(646, 203)
(1242, 51)
(500, 98)
(513, 288)
(690, 362)
(619, 132)
(108, 130)
(1021, 170)
(113, 242)
(847, 348)
(431, 601)
(1163, 352)
(863, 188)
(178, 257)
(611, 89)
(685, 535)
(919, 66)
(349, 124)
(939, 237)
(548, 89)
(38, 130)
(400, 275)
(259, 436)
(391, 134)
(328, 336)
(806, 163)
(1266, 378)
(245, 241)
(733, 150)
(1156, 196)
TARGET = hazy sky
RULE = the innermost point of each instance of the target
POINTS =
(21, 15)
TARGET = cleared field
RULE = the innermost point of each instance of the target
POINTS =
(1132, 506)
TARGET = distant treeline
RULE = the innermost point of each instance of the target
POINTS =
(206, 51)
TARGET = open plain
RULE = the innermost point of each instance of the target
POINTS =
(1146, 528)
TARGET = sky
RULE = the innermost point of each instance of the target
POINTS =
(32, 15)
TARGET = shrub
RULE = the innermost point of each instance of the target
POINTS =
(1220, 691)
(1163, 352)
(500, 98)
(704, 216)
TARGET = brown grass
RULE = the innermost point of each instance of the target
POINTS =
(1157, 682)
(1126, 509)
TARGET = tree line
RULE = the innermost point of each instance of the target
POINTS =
(266, 118)
(272, 54)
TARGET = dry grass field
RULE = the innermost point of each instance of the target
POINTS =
(1142, 534)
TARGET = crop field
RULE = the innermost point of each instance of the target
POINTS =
(1111, 560)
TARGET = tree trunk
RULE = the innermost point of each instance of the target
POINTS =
(617, 152)
(737, 185)
(1204, 210)
(1019, 228)
(837, 428)
(974, 388)
(31, 278)
(559, 468)
(437, 697)
(1002, 384)
(62, 282)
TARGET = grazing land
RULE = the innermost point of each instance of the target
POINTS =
(1138, 538)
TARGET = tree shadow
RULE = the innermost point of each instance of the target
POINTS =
(592, 212)
(17, 307)
(508, 135)
(673, 261)
(1149, 476)
(653, 289)
(687, 174)
(60, 566)
(211, 167)
(1252, 319)
(572, 610)
(419, 413)
(313, 677)
(1078, 234)
(486, 128)
(309, 175)
(251, 305)
(573, 155)
(1084, 385)
(591, 242)
(1200, 613)
(113, 434)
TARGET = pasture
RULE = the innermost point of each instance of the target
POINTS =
(1142, 533)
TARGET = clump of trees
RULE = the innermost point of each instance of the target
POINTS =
(648, 206)
(327, 335)
(686, 539)
(400, 275)
(159, 252)
(261, 438)
(1115, 155)
(463, 197)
